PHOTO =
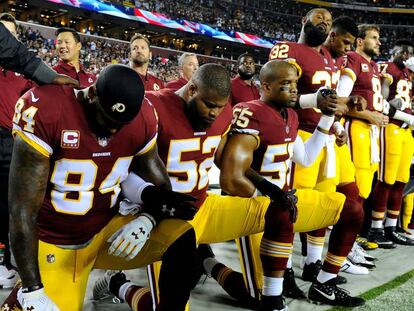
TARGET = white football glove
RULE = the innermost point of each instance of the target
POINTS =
(131, 238)
(126, 207)
(397, 103)
(36, 301)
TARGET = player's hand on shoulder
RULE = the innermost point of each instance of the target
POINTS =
(36, 300)
(128, 241)
(163, 203)
(62, 79)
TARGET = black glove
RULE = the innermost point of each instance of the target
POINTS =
(327, 101)
(162, 203)
(287, 199)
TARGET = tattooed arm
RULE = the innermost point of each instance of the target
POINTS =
(29, 173)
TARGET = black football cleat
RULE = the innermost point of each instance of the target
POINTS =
(273, 303)
(311, 271)
(394, 236)
(329, 293)
(290, 288)
(377, 236)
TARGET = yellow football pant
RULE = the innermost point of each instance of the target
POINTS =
(407, 210)
(224, 218)
(397, 148)
(360, 144)
(65, 272)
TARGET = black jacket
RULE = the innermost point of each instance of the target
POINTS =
(15, 56)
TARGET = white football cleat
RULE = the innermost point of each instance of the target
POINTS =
(8, 278)
(349, 267)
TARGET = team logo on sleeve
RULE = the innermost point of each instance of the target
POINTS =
(70, 139)
(364, 68)
(156, 87)
(34, 98)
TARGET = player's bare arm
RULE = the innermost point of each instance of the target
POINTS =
(353, 102)
(239, 179)
(219, 151)
(373, 117)
(26, 193)
(151, 168)
(236, 160)
(153, 188)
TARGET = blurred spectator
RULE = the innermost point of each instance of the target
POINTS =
(187, 64)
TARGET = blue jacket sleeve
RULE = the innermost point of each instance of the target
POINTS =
(15, 56)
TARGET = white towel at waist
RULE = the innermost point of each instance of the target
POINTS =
(375, 153)
(330, 164)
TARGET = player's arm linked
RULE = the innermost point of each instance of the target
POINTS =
(155, 194)
(325, 99)
(150, 197)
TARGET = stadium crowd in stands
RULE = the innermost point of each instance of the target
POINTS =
(256, 17)
(97, 53)
(260, 18)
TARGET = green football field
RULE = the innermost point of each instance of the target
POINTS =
(397, 295)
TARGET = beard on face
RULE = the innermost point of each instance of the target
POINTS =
(245, 75)
(314, 36)
(139, 60)
(197, 122)
(370, 52)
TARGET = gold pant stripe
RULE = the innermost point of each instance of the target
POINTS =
(223, 275)
(379, 215)
(392, 212)
(138, 295)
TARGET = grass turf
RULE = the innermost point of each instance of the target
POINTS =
(375, 292)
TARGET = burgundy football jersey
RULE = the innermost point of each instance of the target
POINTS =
(400, 87)
(275, 136)
(12, 86)
(241, 92)
(85, 172)
(85, 78)
(152, 83)
(316, 69)
(366, 77)
(188, 154)
(176, 84)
